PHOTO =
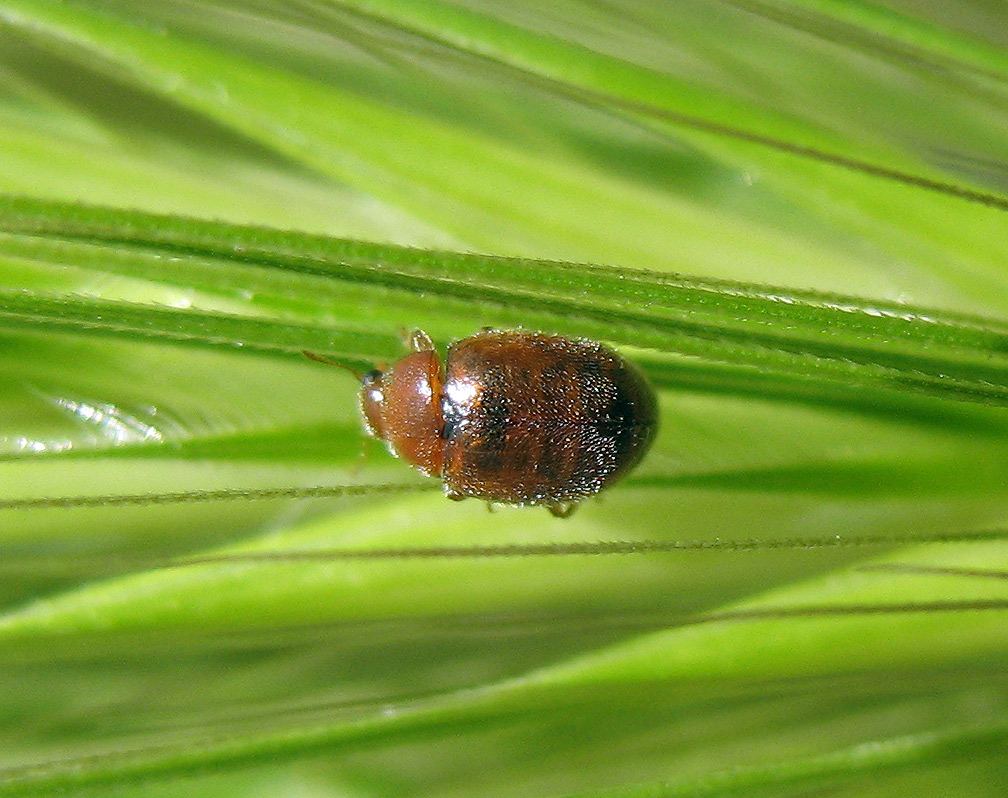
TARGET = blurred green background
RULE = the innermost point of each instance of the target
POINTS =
(791, 214)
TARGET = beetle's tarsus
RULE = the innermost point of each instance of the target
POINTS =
(561, 510)
(418, 341)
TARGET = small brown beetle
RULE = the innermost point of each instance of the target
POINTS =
(515, 417)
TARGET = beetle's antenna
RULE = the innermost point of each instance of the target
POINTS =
(321, 359)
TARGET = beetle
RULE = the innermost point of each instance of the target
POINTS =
(513, 416)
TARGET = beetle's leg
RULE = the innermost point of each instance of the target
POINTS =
(355, 468)
(561, 509)
(490, 507)
(455, 497)
(418, 341)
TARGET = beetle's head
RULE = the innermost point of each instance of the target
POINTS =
(372, 401)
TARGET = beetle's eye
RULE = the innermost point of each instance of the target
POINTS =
(371, 378)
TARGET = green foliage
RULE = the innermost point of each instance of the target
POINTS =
(791, 214)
